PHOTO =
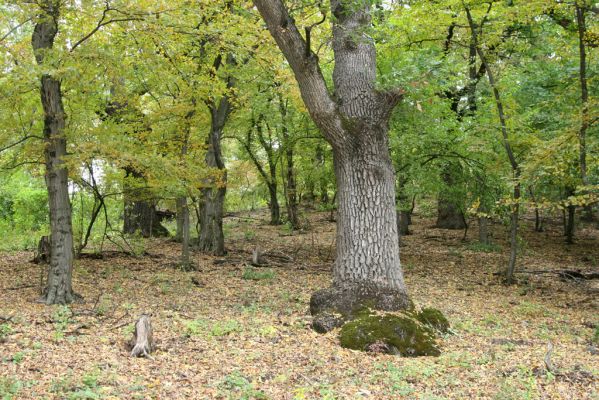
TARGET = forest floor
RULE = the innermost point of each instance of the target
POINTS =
(240, 332)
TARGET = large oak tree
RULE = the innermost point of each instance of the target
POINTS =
(354, 119)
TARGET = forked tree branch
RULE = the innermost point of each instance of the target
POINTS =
(306, 69)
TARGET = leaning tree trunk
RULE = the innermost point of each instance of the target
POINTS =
(212, 201)
(59, 283)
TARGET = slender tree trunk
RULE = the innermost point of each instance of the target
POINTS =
(270, 178)
(273, 204)
(59, 283)
(404, 216)
(291, 190)
(483, 230)
(181, 203)
(290, 185)
(323, 184)
(404, 222)
(538, 219)
(570, 220)
(508, 149)
(212, 202)
(584, 99)
(185, 261)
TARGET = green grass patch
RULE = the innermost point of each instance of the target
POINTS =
(255, 274)
(483, 247)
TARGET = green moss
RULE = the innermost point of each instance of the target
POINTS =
(389, 333)
(433, 318)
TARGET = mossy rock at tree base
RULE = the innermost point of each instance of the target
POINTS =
(433, 318)
(333, 306)
(392, 334)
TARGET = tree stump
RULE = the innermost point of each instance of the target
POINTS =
(257, 259)
(142, 341)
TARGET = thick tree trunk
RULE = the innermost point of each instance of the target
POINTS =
(449, 215)
(367, 271)
(139, 214)
(59, 283)
(140, 217)
(212, 201)
(367, 250)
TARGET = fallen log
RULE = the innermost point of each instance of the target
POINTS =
(142, 341)
(564, 274)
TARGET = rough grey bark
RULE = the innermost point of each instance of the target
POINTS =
(212, 201)
(59, 283)
(355, 122)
